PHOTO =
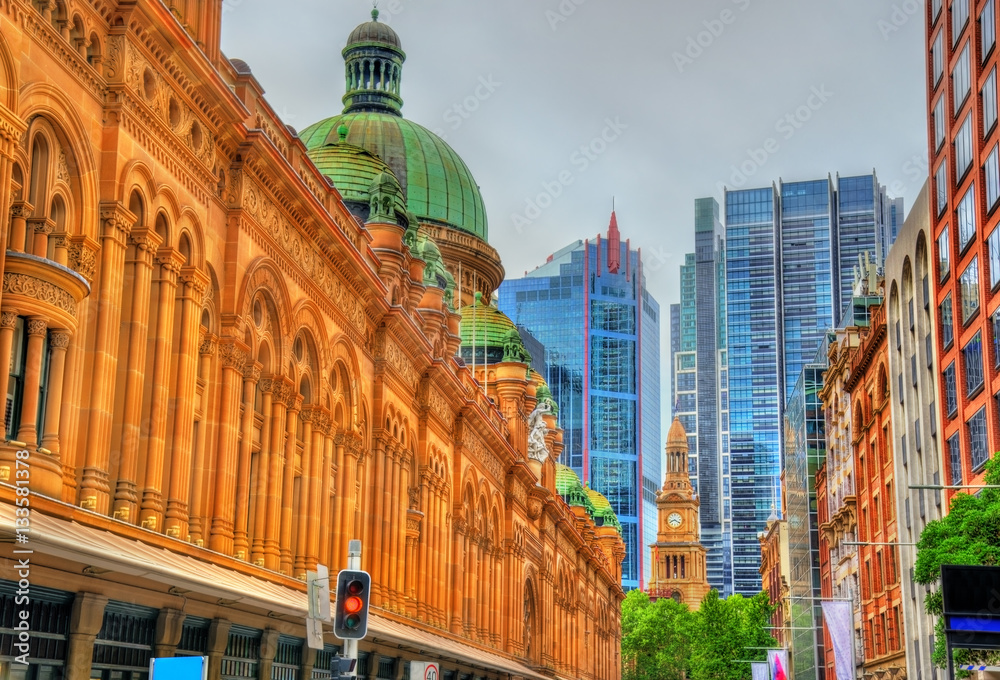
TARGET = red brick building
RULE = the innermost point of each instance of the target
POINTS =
(871, 441)
(965, 173)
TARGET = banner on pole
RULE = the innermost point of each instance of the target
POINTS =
(839, 620)
(777, 660)
(760, 670)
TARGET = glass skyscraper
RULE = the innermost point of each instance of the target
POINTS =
(701, 389)
(791, 251)
(589, 307)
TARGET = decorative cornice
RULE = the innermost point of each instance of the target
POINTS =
(37, 289)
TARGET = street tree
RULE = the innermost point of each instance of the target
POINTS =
(969, 535)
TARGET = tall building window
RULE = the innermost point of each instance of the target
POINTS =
(617, 480)
(937, 57)
(612, 364)
(939, 122)
(995, 323)
(15, 384)
(950, 390)
(612, 425)
(972, 360)
(947, 322)
(959, 15)
(963, 148)
(992, 172)
(613, 317)
(979, 447)
(944, 252)
(969, 284)
(955, 457)
(967, 219)
(987, 29)
(994, 247)
(990, 102)
(941, 187)
(960, 79)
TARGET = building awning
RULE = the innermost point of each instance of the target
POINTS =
(105, 550)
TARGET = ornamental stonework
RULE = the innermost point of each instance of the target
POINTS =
(440, 408)
(474, 445)
(37, 289)
(302, 252)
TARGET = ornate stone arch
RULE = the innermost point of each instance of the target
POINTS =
(8, 78)
(263, 276)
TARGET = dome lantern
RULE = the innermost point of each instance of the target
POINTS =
(374, 62)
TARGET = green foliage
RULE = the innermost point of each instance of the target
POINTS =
(664, 640)
(968, 534)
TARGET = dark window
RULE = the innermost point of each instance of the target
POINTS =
(950, 390)
(972, 360)
(978, 443)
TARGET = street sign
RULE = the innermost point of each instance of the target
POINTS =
(179, 668)
(424, 670)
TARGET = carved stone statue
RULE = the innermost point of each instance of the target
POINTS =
(537, 429)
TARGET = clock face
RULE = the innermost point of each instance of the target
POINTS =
(674, 520)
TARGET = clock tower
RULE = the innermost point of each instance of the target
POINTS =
(679, 569)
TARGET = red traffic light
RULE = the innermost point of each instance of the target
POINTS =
(353, 591)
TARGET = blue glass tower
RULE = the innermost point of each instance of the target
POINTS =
(589, 307)
(791, 250)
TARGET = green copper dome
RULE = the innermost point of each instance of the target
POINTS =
(569, 487)
(604, 515)
(438, 185)
(486, 328)
(352, 170)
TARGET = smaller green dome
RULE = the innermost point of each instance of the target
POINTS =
(604, 514)
(485, 327)
(352, 170)
(569, 487)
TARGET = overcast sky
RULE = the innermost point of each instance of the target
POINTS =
(654, 103)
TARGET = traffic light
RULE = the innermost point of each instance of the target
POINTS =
(341, 668)
(353, 590)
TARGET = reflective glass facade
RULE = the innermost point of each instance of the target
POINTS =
(601, 332)
(791, 250)
(805, 451)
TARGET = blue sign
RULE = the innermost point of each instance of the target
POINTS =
(179, 668)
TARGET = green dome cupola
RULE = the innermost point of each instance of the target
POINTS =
(373, 60)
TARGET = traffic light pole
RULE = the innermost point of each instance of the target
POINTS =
(353, 562)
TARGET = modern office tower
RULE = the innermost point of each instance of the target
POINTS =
(965, 167)
(791, 250)
(700, 380)
(805, 451)
(675, 346)
(915, 373)
(589, 306)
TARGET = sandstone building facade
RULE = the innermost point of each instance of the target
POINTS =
(233, 348)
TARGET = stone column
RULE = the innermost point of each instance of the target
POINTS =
(58, 343)
(340, 537)
(458, 543)
(40, 228)
(275, 475)
(294, 405)
(424, 547)
(86, 620)
(259, 494)
(319, 494)
(126, 501)
(154, 447)
(178, 495)
(268, 650)
(95, 493)
(201, 469)
(8, 322)
(37, 332)
(229, 468)
(19, 214)
(169, 627)
(218, 640)
(241, 550)
(326, 525)
(302, 514)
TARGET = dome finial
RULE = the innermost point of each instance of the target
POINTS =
(375, 11)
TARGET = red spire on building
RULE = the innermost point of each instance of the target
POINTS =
(614, 245)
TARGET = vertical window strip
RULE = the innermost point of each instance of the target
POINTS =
(970, 290)
(987, 29)
(967, 218)
(977, 440)
(992, 172)
(947, 322)
(944, 252)
(941, 187)
(939, 115)
(989, 96)
(937, 58)
(961, 81)
(955, 457)
(972, 358)
(950, 390)
(963, 148)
